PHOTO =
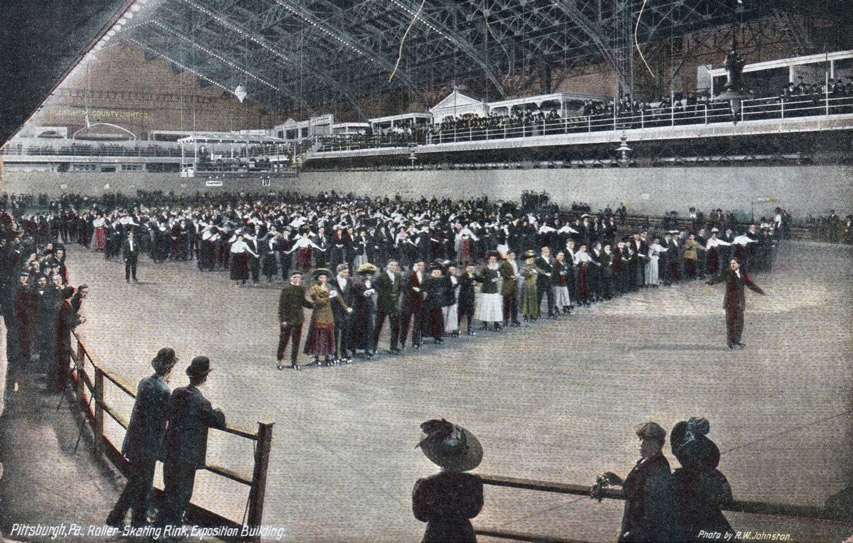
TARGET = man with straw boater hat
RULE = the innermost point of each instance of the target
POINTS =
(448, 500)
(185, 444)
(142, 441)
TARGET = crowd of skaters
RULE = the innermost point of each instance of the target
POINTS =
(425, 268)
(429, 268)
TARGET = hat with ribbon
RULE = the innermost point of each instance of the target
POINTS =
(450, 446)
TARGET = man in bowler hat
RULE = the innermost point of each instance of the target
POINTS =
(142, 441)
(734, 301)
(185, 444)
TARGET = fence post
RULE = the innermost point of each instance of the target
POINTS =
(706, 113)
(81, 361)
(589, 123)
(259, 477)
(642, 119)
(782, 102)
(99, 410)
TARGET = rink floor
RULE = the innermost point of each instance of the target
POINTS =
(556, 401)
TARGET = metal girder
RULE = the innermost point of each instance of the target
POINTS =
(346, 39)
(262, 42)
(450, 35)
(595, 33)
(347, 47)
(174, 62)
(230, 63)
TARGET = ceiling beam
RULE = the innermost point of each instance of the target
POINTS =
(276, 51)
(453, 37)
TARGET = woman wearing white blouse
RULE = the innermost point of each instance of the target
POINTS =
(712, 254)
(304, 246)
(652, 268)
(240, 252)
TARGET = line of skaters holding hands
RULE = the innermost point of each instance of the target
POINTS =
(254, 235)
(440, 299)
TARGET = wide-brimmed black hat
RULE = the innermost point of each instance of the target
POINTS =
(165, 360)
(450, 446)
(199, 367)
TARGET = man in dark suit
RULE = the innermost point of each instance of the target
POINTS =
(341, 307)
(130, 254)
(142, 441)
(412, 307)
(734, 301)
(388, 287)
(291, 317)
(185, 445)
(545, 266)
(641, 249)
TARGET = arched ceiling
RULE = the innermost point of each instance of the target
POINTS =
(307, 53)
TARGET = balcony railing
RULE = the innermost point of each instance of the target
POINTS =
(700, 114)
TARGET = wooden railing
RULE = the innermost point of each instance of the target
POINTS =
(89, 388)
(758, 508)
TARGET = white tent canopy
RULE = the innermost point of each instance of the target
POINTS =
(457, 104)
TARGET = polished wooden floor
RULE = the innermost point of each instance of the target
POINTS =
(556, 401)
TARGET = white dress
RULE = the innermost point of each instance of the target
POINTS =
(652, 268)
(451, 314)
(491, 306)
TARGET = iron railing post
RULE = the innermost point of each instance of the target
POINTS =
(98, 427)
(258, 490)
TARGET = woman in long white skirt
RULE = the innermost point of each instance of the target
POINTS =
(451, 313)
(491, 301)
(652, 268)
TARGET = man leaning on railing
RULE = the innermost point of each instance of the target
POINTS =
(143, 439)
(185, 444)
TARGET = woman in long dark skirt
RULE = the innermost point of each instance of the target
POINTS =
(321, 330)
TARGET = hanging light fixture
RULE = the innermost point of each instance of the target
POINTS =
(240, 93)
(623, 150)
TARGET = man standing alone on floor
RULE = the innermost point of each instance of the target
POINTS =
(141, 445)
(734, 301)
(130, 254)
(185, 444)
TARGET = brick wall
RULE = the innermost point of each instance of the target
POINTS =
(122, 87)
